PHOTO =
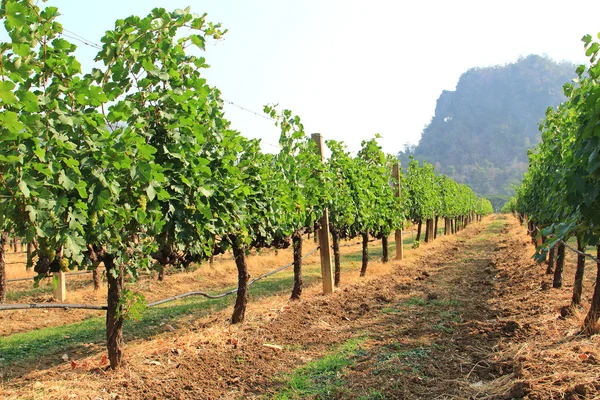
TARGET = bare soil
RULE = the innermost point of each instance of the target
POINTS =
(469, 316)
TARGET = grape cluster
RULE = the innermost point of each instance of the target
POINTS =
(63, 264)
(143, 202)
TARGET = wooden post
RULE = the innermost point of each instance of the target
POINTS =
(323, 234)
(60, 292)
(397, 193)
(540, 240)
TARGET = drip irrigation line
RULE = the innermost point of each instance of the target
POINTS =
(227, 293)
(150, 305)
(48, 276)
(50, 305)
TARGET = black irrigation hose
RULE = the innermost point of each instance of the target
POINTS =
(220, 295)
(50, 305)
(150, 305)
(48, 276)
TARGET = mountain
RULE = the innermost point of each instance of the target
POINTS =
(481, 131)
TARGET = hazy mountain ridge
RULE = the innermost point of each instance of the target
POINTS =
(481, 132)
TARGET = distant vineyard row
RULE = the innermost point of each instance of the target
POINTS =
(134, 165)
(560, 191)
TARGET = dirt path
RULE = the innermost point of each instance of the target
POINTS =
(446, 324)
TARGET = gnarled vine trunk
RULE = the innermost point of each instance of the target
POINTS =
(29, 263)
(114, 313)
(544, 240)
(297, 247)
(385, 257)
(435, 228)
(590, 324)
(335, 241)
(239, 253)
(3, 241)
(551, 258)
(419, 230)
(560, 263)
(428, 231)
(365, 253)
(578, 285)
(531, 229)
(97, 277)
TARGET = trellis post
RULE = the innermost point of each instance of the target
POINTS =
(60, 290)
(398, 193)
(323, 234)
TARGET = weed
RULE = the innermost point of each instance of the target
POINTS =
(422, 302)
(396, 361)
(373, 395)
(442, 327)
(321, 377)
(415, 301)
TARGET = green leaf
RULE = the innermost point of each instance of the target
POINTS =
(67, 120)
(6, 92)
(150, 192)
(198, 41)
(592, 49)
(65, 181)
(586, 39)
(32, 213)
(29, 102)
(97, 96)
(74, 248)
(23, 187)
(146, 150)
(21, 49)
(82, 189)
(205, 192)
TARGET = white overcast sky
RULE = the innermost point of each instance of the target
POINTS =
(350, 68)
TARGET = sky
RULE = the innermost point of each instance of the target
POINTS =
(349, 68)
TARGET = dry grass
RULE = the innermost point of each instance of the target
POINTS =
(221, 275)
(552, 360)
(89, 379)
